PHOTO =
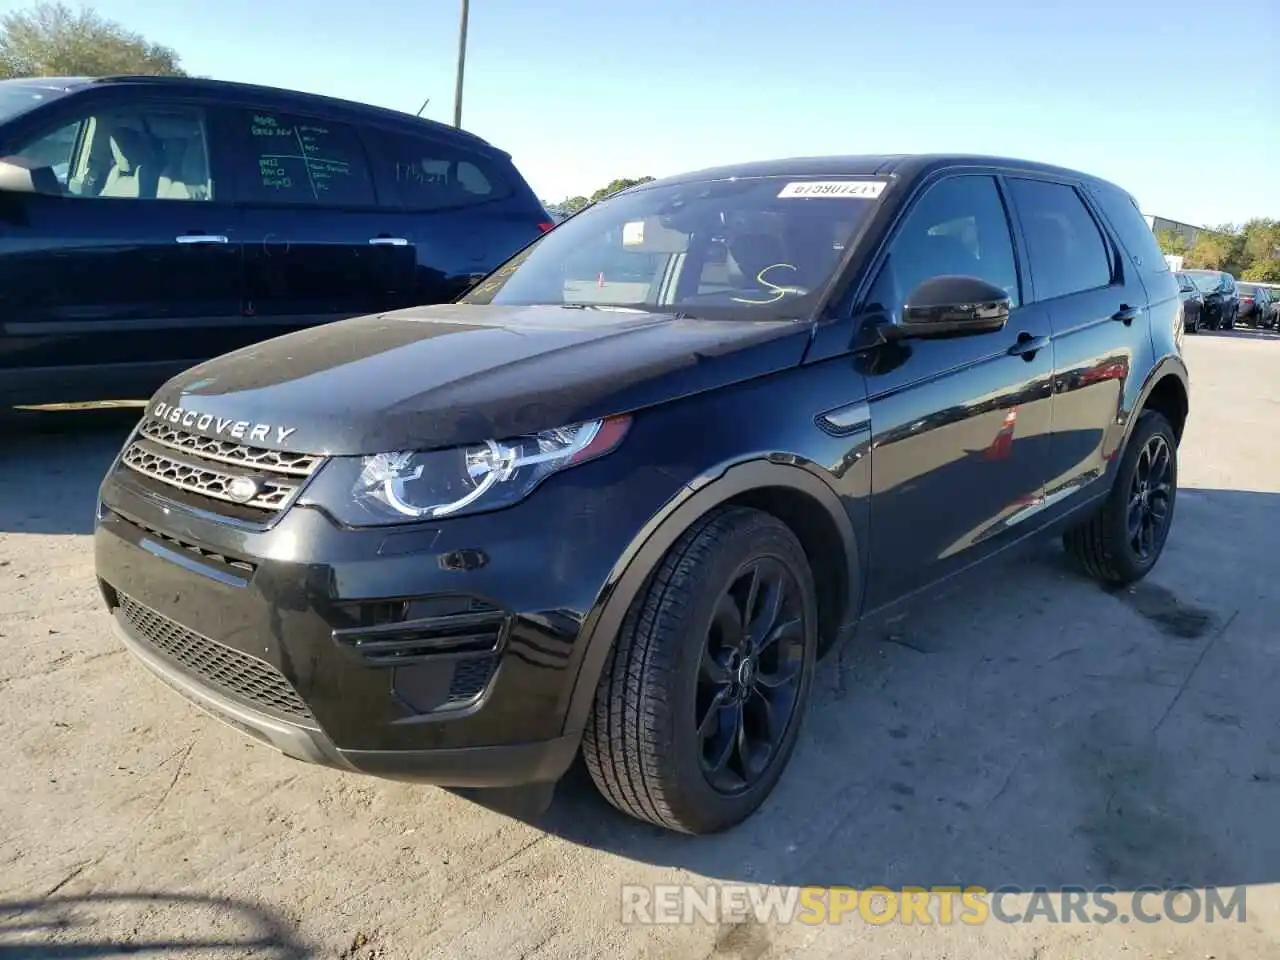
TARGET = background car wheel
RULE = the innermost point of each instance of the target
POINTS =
(1123, 540)
(702, 695)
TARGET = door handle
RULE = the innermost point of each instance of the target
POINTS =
(388, 241)
(1126, 314)
(1028, 346)
(190, 238)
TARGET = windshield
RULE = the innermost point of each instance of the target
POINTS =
(760, 247)
(1207, 282)
(16, 98)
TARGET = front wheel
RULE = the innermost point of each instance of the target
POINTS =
(701, 698)
(1122, 541)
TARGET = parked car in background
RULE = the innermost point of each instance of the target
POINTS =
(1255, 304)
(1272, 321)
(1221, 304)
(1192, 303)
(150, 223)
(353, 543)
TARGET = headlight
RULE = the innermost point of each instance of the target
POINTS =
(435, 484)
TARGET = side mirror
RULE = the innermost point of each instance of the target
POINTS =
(949, 306)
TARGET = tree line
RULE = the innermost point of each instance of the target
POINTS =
(1250, 251)
(52, 40)
(572, 205)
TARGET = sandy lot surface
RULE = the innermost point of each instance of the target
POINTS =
(1025, 729)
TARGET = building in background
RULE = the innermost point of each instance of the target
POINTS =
(1188, 231)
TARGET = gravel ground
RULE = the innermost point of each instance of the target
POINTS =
(1025, 729)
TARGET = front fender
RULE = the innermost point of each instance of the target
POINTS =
(629, 575)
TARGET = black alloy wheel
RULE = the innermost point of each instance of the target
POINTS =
(1123, 539)
(701, 699)
(1151, 499)
(749, 675)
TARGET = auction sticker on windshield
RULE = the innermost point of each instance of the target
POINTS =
(854, 189)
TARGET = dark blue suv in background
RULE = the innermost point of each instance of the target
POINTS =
(148, 223)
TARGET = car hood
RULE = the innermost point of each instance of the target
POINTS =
(461, 373)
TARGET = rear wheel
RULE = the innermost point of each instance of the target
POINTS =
(1124, 539)
(700, 702)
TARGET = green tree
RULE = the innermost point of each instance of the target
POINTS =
(574, 204)
(1218, 248)
(52, 40)
(1172, 242)
(614, 186)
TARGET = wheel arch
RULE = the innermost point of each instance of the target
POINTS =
(789, 491)
(1166, 390)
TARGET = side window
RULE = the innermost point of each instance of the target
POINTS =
(149, 151)
(1129, 223)
(1067, 251)
(434, 175)
(285, 158)
(959, 226)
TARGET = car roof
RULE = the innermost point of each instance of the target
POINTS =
(906, 165)
(284, 95)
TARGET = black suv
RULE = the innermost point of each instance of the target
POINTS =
(1255, 305)
(148, 223)
(624, 494)
(1221, 298)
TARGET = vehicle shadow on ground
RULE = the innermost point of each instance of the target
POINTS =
(73, 450)
(64, 927)
(1027, 727)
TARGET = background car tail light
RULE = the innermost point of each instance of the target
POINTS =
(545, 226)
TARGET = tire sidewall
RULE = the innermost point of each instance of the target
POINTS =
(773, 540)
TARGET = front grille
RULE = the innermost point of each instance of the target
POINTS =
(208, 470)
(227, 670)
(228, 451)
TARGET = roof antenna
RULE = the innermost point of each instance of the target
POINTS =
(424, 106)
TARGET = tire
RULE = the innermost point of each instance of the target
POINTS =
(642, 745)
(1102, 545)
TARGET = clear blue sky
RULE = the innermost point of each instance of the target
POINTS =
(580, 92)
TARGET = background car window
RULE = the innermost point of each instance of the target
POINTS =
(1067, 251)
(145, 152)
(285, 158)
(1127, 221)
(958, 227)
(430, 175)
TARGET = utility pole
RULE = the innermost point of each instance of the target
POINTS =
(462, 63)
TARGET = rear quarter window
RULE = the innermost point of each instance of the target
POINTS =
(1129, 224)
(430, 174)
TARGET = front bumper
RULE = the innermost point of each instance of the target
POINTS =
(496, 766)
(320, 641)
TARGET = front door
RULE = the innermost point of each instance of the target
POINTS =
(960, 426)
(130, 259)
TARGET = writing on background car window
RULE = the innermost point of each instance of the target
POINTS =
(297, 156)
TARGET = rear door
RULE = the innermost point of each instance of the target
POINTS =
(463, 206)
(319, 246)
(130, 264)
(1096, 304)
